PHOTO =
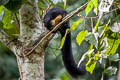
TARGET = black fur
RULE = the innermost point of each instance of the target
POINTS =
(67, 56)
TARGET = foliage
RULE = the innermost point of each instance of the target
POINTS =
(76, 23)
(81, 36)
(8, 23)
(94, 28)
(102, 43)
(63, 39)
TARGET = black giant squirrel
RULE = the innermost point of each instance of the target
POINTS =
(52, 18)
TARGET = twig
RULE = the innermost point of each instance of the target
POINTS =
(66, 18)
(94, 17)
(3, 33)
(10, 41)
(17, 20)
(38, 45)
(92, 24)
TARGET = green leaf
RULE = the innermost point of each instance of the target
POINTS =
(111, 70)
(114, 44)
(63, 39)
(90, 66)
(92, 38)
(10, 26)
(114, 57)
(1, 9)
(81, 36)
(96, 57)
(76, 23)
(89, 7)
(1, 16)
(114, 36)
(95, 2)
(90, 47)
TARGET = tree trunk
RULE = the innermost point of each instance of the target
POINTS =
(31, 66)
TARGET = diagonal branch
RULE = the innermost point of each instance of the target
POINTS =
(66, 18)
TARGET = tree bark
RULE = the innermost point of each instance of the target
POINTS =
(31, 66)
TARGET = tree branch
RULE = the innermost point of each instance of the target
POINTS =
(66, 18)
(94, 17)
